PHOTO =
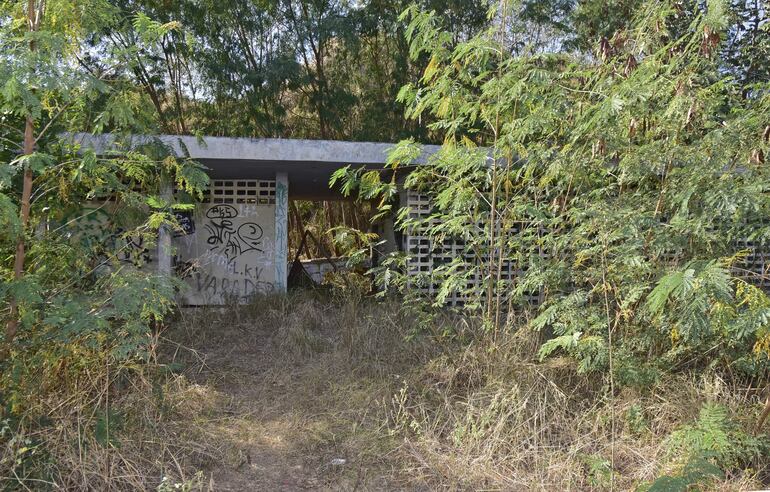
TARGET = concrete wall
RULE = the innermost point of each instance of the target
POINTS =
(234, 245)
(94, 226)
(231, 248)
(230, 256)
(318, 268)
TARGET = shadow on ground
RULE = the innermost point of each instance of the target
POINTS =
(277, 398)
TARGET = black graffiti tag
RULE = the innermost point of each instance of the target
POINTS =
(224, 238)
(186, 222)
(222, 212)
(243, 289)
(250, 235)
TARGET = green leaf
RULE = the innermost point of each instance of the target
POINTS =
(564, 342)
(659, 296)
(36, 161)
(157, 202)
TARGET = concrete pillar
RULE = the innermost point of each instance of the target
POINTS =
(281, 229)
(386, 230)
(388, 235)
(164, 236)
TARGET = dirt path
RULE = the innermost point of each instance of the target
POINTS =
(280, 413)
(312, 393)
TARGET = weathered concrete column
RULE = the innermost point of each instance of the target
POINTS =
(164, 236)
(281, 229)
(389, 235)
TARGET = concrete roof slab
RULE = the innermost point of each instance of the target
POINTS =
(309, 163)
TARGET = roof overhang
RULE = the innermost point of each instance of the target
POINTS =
(308, 163)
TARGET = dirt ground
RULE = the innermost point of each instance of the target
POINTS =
(275, 408)
(311, 393)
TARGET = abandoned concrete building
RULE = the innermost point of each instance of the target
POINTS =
(235, 243)
(237, 238)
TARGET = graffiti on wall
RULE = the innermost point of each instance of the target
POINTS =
(224, 252)
(229, 256)
(93, 227)
(225, 238)
(133, 249)
(186, 222)
(281, 231)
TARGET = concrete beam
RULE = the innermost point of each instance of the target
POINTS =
(258, 149)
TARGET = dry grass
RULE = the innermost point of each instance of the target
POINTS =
(274, 395)
(308, 378)
(68, 440)
(436, 407)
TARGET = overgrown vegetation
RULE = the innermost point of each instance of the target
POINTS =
(80, 317)
(620, 185)
(613, 154)
(425, 400)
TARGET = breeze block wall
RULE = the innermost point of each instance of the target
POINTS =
(424, 257)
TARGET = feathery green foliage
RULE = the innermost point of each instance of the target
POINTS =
(86, 300)
(621, 185)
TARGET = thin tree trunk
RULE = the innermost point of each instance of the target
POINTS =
(329, 215)
(299, 226)
(26, 192)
